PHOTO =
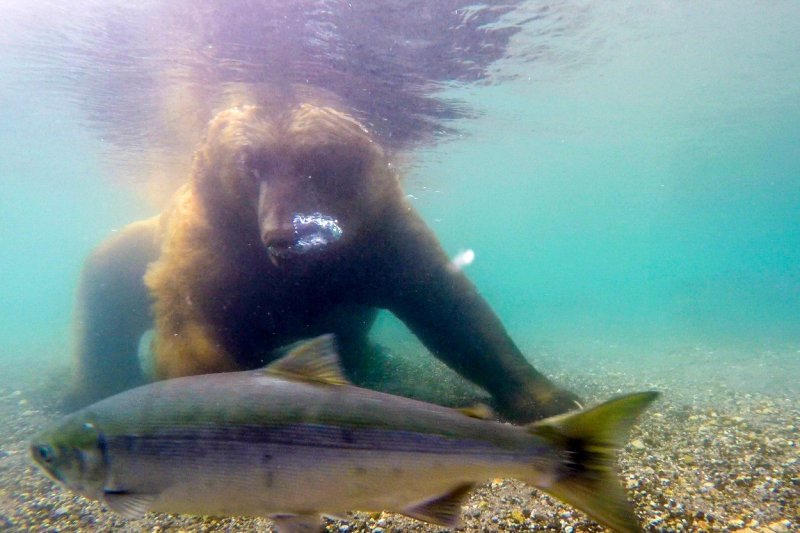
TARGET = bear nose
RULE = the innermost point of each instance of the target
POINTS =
(282, 237)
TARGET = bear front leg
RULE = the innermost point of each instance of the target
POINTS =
(457, 325)
(443, 308)
(111, 315)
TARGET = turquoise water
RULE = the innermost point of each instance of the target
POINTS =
(637, 183)
(57, 205)
(626, 173)
(641, 188)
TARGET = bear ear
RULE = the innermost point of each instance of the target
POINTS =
(315, 360)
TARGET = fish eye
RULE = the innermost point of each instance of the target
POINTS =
(45, 453)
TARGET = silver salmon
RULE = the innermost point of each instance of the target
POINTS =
(295, 441)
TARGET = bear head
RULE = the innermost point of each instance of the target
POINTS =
(307, 180)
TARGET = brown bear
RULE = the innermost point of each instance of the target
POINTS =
(292, 224)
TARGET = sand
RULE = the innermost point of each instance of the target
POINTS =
(720, 451)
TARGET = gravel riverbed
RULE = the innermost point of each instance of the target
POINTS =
(715, 453)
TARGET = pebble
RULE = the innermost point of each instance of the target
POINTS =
(780, 527)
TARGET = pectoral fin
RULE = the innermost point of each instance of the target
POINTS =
(128, 504)
(297, 523)
(444, 510)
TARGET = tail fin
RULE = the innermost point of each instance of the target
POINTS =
(588, 441)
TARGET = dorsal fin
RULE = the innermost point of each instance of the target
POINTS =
(313, 360)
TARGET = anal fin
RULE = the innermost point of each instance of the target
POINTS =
(297, 523)
(444, 510)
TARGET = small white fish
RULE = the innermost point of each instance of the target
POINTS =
(294, 441)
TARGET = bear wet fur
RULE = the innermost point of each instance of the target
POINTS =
(219, 276)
